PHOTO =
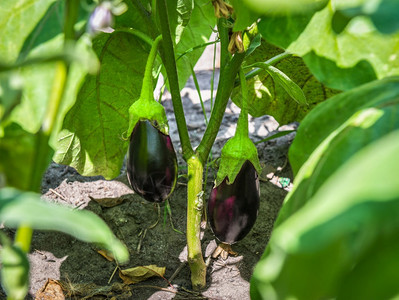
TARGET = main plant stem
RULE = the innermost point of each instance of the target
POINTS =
(169, 61)
(194, 214)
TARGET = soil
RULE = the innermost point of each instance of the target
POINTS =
(85, 273)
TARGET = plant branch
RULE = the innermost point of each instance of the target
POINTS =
(257, 70)
(223, 93)
(169, 61)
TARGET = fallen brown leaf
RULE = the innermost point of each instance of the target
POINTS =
(51, 290)
(107, 255)
(108, 202)
(137, 274)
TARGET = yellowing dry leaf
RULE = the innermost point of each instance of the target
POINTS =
(51, 290)
(107, 255)
(137, 274)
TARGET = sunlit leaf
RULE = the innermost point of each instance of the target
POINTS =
(92, 137)
(15, 27)
(358, 55)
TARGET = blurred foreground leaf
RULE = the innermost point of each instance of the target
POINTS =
(350, 224)
(18, 208)
(334, 131)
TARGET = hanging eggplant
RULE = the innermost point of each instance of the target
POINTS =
(152, 163)
(233, 208)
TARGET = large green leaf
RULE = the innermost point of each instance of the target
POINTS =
(18, 208)
(334, 131)
(268, 97)
(311, 253)
(92, 137)
(197, 32)
(358, 55)
(47, 39)
(17, 20)
(327, 118)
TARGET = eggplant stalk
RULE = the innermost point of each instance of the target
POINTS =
(194, 214)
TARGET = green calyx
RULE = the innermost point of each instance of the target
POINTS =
(146, 108)
(150, 110)
(239, 148)
(234, 154)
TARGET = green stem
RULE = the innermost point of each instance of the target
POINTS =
(196, 47)
(194, 215)
(70, 18)
(147, 89)
(169, 61)
(224, 42)
(23, 237)
(223, 93)
(242, 125)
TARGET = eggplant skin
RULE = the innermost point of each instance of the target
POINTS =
(233, 208)
(151, 163)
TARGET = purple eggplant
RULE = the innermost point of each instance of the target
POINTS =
(233, 208)
(152, 163)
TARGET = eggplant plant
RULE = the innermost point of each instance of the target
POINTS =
(278, 58)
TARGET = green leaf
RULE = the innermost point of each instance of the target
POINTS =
(358, 55)
(17, 154)
(14, 271)
(311, 253)
(244, 16)
(285, 82)
(334, 131)
(383, 14)
(328, 117)
(10, 96)
(179, 17)
(18, 19)
(383, 263)
(268, 97)
(197, 32)
(91, 140)
(18, 208)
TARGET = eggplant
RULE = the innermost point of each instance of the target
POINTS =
(152, 162)
(233, 208)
